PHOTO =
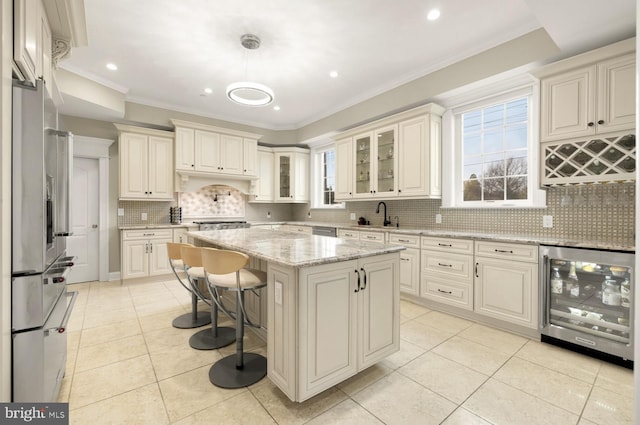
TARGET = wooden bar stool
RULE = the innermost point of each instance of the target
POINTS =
(196, 318)
(225, 269)
(215, 336)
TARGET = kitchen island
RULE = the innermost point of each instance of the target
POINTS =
(333, 304)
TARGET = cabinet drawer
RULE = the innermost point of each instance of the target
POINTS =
(463, 246)
(299, 229)
(446, 292)
(410, 241)
(513, 251)
(445, 265)
(128, 235)
(372, 237)
(348, 234)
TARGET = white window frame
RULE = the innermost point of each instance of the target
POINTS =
(317, 193)
(452, 151)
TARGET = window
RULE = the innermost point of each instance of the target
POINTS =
(492, 149)
(323, 178)
(494, 152)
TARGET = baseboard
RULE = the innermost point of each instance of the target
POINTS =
(114, 276)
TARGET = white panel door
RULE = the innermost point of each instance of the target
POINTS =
(84, 244)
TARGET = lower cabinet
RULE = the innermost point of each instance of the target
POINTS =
(144, 253)
(446, 271)
(347, 319)
(409, 262)
(506, 282)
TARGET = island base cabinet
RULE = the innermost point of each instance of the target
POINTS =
(506, 291)
(328, 322)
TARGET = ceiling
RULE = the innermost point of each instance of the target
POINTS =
(168, 52)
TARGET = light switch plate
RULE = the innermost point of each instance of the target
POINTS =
(143, 217)
(547, 221)
(352, 216)
(438, 218)
(120, 212)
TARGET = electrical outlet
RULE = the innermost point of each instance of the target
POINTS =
(144, 217)
(547, 221)
(120, 212)
(352, 216)
(438, 218)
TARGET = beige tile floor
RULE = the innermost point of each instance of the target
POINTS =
(128, 365)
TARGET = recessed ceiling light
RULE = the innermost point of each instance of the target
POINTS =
(333, 74)
(112, 66)
(276, 108)
(433, 14)
(208, 90)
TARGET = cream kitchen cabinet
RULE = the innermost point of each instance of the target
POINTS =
(348, 320)
(27, 49)
(409, 262)
(180, 233)
(305, 230)
(446, 271)
(144, 252)
(589, 94)
(291, 177)
(146, 163)
(363, 235)
(398, 156)
(264, 186)
(203, 149)
(506, 282)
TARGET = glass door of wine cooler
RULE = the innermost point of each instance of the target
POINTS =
(587, 298)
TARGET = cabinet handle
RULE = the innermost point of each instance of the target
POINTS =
(404, 240)
(477, 270)
(405, 259)
(445, 244)
(444, 265)
(148, 234)
(146, 248)
(503, 251)
(591, 124)
(365, 279)
(370, 237)
(358, 273)
(600, 122)
(151, 248)
(445, 292)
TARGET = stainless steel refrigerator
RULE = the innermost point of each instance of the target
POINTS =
(40, 304)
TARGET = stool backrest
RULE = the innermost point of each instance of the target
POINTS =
(173, 250)
(191, 256)
(221, 261)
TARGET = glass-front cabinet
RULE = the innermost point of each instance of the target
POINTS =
(291, 174)
(588, 298)
(284, 168)
(376, 163)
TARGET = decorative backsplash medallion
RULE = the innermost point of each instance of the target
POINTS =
(212, 201)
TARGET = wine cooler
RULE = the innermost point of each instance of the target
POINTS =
(586, 299)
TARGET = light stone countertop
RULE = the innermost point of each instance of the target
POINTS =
(158, 226)
(292, 249)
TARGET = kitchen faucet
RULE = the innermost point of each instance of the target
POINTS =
(387, 221)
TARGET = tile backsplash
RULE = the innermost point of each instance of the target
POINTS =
(597, 212)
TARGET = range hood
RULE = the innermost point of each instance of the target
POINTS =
(192, 181)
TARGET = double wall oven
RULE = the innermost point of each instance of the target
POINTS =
(40, 304)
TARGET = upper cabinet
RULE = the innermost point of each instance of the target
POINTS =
(395, 157)
(146, 163)
(32, 40)
(264, 189)
(587, 116)
(591, 100)
(207, 149)
(291, 174)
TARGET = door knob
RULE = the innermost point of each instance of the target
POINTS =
(94, 226)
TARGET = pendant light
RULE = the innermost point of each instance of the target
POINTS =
(245, 92)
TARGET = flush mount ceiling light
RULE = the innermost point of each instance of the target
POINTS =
(249, 93)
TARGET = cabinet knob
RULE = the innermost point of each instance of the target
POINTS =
(591, 124)
(193, 165)
(399, 190)
(600, 122)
